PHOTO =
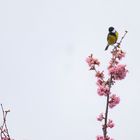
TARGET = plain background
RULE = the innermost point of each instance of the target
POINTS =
(44, 78)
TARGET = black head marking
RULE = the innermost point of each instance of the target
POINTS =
(110, 29)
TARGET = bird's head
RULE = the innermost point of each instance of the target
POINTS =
(111, 29)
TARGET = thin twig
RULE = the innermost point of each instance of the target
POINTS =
(118, 44)
(123, 37)
(4, 129)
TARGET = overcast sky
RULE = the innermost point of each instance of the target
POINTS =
(44, 79)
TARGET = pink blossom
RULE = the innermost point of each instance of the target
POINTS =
(92, 62)
(100, 117)
(99, 82)
(110, 124)
(103, 90)
(113, 62)
(118, 72)
(114, 100)
(100, 74)
(118, 54)
(108, 138)
(5, 138)
(100, 138)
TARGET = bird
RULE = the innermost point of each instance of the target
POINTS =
(112, 37)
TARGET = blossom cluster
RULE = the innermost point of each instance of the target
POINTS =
(114, 100)
(92, 62)
(116, 71)
(110, 123)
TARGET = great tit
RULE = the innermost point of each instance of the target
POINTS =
(112, 37)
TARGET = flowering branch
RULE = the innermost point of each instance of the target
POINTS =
(116, 71)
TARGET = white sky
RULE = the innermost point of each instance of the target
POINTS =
(44, 79)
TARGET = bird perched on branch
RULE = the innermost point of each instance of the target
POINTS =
(112, 37)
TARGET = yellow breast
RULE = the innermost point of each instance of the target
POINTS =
(111, 39)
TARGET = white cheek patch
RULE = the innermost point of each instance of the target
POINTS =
(113, 31)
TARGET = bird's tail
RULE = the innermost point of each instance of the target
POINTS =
(106, 47)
